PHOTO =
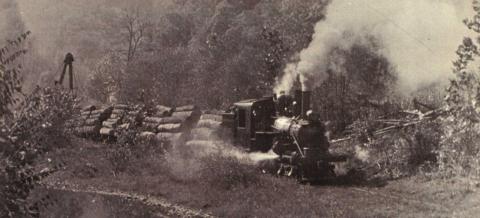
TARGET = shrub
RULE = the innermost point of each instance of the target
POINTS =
(37, 126)
(119, 156)
(399, 153)
(459, 152)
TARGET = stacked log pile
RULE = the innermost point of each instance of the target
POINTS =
(189, 115)
(89, 122)
(159, 116)
(123, 117)
(208, 131)
(163, 125)
(169, 125)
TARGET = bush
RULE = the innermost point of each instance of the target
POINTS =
(37, 126)
(399, 153)
(460, 151)
(120, 157)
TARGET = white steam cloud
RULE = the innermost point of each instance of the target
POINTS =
(418, 37)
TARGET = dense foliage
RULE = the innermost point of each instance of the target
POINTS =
(29, 126)
(459, 152)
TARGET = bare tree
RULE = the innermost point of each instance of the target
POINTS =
(135, 25)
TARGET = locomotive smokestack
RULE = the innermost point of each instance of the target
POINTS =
(297, 108)
(305, 103)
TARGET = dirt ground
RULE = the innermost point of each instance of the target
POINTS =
(87, 176)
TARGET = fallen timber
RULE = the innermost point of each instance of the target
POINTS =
(396, 124)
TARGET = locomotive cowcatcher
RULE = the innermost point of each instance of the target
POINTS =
(287, 125)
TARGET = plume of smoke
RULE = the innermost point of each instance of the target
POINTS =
(418, 37)
(186, 160)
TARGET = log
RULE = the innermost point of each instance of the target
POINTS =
(110, 124)
(133, 113)
(122, 107)
(213, 117)
(146, 135)
(214, 112)
(92, 122)
(116, 116)
(85, 113)
(102, 111)
(171, 127)
(183, 115)
(165, 120)
(107, 131)
(152, 127)
(115, 120)
(186, 108)
(101, 114)
(212, 124)
(124, 126)
(119, 111)
(87, 130)
(163, 111)
(155, 120)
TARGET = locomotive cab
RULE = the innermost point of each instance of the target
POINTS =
(252, 126)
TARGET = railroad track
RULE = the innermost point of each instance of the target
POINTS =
(168, 209)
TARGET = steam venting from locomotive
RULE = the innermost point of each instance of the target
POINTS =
(411, 35)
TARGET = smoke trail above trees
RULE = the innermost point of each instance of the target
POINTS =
(419, 38)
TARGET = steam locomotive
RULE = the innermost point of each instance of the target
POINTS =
(287, 125)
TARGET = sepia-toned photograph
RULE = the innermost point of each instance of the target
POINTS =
(239, 108)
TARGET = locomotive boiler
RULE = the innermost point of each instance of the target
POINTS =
(289, 127)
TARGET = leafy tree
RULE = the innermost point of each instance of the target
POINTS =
(28, 127)
(459, 151)
(10, 69)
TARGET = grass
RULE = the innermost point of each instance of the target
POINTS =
(227, 187)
